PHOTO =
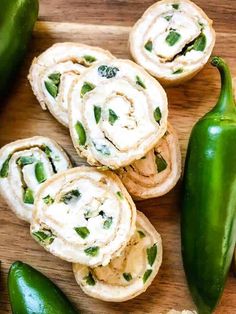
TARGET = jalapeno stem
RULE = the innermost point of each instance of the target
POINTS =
(226, 99)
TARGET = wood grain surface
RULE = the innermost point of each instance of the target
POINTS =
(21, 116)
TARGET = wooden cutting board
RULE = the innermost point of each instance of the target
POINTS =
(21, 116)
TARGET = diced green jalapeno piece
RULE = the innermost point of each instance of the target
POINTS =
(148, 46)
(172, 38)
(47, 150)
(200, 43)
(89, 59)
(102, 148)
(146, 275)
(151, 254)
(140, 82)
(5, 168)
(81, 133)
(161, 163)
(175, 6)
(112, 116)
(55, 78)
(107, 223)
(46, 237)
(28, 197)
(25, 160)
(83, 232)
(40, 173)
(107, 71)
(67, 197)
(51, 88)
(92, 251)
(97, 113)
(87, 87)
(168, 17)
(127, 276)
(179, 71)
(48, 200)
(120, 195)
(141, 234)
(89, 279)
(157, 114)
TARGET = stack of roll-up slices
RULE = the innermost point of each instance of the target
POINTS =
(117, 116)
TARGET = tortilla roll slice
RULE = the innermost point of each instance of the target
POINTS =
(84, 215)
(117, 113)
(53, 73)
(24, 166)
(156, 173)
(129, 274)
(173, 40)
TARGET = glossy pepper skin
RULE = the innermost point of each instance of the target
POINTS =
(208, 217)
(17, 19)
(31, 292)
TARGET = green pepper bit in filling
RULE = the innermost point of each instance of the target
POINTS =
(107, 71)
(102, 148)
(52, 84)
(92, 251)
(87, 87)
(5, 168)
(140, 82)
(161, 163)
(48, 200)
(97, 113)
(83, 232)
(151, 254)
(25, 160)
(179, 71)
(69, 196)
(200, 43)
(127, 276)
(40, 173)
(172, 38)
(148, 46)
(89, 279)
(81, 133)
(89, 59)
(107, 223)
(112, 117)
(46, 237)
(28, 197)
(120, 195)
(146, 275)
(175, 6)
(141, 234)
(157, 114)
(168, 17)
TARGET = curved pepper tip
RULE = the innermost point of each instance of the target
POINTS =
(216, 61)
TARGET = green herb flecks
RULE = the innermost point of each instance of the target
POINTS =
(83, 232)
(52, 85)
(141, 234)
(161, 163)
(151, 254)
(46, 237)
(89, 279)
(102, 148)
(69, 196)
(25, 160)
(140, 82)
(179, 71)
(92, 251)
(5, 168)
(89, 59)
(175, 6)
(127, 276)
(81, 133)
(47, 150)
(48, 200)
(172, 38)
(120, 195)
(87, 87)
(107, 71)
(200, 43)
(28, 196)
(107, 223)
(148, 46)
(168, 17)
(40, 173)
(112, 117)
(97, 113)
(157, 114)
(146, 275)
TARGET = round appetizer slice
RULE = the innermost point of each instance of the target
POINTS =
(117, 113)
(84, 216)
(53, 73)
(173, 40)
(129, 274)
(156, 173)
(24, 166)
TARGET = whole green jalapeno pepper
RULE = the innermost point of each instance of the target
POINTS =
(208, 218)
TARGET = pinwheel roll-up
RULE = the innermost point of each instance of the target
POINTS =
(52, 74)
(84, 216)
(173, 40)
(24, 166)
(117, 112)
(156, 173)
(129, 274)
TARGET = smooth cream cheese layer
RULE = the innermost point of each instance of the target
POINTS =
(53, 73)
(24, 166)
(173, 40)
(117, 113)
(84, 216)
(156, 173)
(129, 274)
